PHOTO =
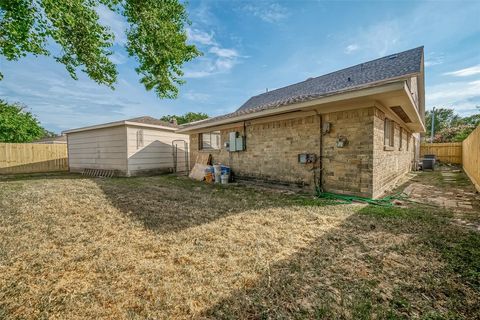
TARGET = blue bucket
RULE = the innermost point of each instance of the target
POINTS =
(225, 170)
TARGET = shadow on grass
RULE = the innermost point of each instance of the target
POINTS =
(41, 176)
(378, 263)
(171, 203)
(382, 263)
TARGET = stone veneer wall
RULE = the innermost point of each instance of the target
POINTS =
(361, 168)
(272, 150)
(348, 170)
(389, 166)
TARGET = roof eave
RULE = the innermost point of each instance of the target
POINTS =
(357, 92)
(413, 113)
(147, 125)
(118, 123)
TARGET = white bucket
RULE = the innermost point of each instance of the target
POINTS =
(225, 179)
(218, 173)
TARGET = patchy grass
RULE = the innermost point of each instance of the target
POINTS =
(167, 247)
(459, 248)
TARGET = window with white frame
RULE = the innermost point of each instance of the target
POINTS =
(210, 140)
(389, 133)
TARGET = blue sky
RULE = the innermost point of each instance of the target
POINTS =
(249, 46)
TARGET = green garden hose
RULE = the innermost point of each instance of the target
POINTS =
(384, 202)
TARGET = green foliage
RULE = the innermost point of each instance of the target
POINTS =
(454, 134)
(17, 125)
(156, 38)
(449, 126)
(444, 118)
(186, 118)
(473, 120)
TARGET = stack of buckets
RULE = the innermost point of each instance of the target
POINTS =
(222, 173)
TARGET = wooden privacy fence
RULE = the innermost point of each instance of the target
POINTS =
(471, 155)
(30, 158)
(445, 152)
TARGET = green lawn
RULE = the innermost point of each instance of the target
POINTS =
(166, 247)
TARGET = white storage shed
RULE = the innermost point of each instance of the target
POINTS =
(128, 147)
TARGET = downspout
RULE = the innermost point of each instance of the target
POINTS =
(245, 136)
(319, 184)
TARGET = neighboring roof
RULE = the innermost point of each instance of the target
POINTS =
(144, 121)
(378, 71)
(61, 138)
(150, 120)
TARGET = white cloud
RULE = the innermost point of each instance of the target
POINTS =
(115, 22)
(267, 11)
(118, 58)
(464, 96)
(200, 37)
(471, 71)
(197, 96)
(224, 53)
(212, 64)
(432, 62)
(193, 74)
(217, 59)
(351, 48)
(62, 103)
(433, 59)
(382, 38)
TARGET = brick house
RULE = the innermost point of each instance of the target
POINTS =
(354, 131)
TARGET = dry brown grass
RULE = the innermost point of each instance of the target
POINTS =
(165, 247)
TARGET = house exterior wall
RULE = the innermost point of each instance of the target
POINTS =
(349, 170)
(391, 165)
(155, 151)
(104, 148)
(361, 168)
(272, 150)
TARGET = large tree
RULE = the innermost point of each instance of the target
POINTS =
(449, 126)
(186, 118)
(19, 125)
(443, 118)
(156, 37)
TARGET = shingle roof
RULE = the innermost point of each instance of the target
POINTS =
(390, 67)
(153, 121)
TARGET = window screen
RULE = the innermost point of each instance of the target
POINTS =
(210, 140)
(388, 133)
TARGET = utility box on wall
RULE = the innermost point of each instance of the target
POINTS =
(236, 142)
(304, 158)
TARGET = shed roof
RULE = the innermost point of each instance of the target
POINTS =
(153, 121)
(144, 121)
